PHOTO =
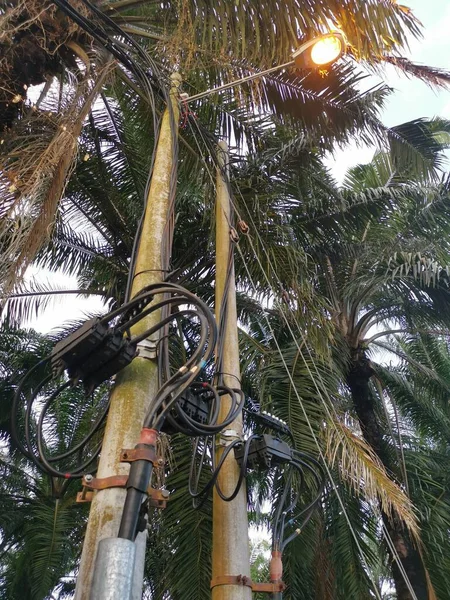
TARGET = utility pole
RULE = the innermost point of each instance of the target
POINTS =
(137, 384)
(231, 556)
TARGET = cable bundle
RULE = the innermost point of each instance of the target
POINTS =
(304, 465)
(85, 359)
(263, 451)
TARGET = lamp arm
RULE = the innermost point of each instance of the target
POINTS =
(238, 82)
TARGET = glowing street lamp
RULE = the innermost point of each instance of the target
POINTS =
(318, 52)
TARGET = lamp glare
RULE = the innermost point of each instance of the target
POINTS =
(326, 50)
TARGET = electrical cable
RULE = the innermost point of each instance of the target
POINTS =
(74, 354)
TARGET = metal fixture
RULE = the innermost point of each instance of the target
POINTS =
(318, 52)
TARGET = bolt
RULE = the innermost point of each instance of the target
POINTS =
(160, 462)
(88, 478)
(165, 493)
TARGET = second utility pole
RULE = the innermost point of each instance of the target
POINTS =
(231, 556)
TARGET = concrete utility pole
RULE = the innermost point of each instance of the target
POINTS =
(231, 556)
(137, 384)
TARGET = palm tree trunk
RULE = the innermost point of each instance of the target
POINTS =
(409, 558)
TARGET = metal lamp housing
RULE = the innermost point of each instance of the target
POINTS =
(304, 55)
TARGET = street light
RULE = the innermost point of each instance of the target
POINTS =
(318, 52)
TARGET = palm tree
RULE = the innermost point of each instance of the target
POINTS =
(376, 266)
(96, 268)
(100, 259)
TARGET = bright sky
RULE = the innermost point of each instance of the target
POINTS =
(411, 99)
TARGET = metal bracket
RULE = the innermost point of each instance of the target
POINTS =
(146, 453)
(156, 498)
(147, 349)
(269, 588)
(266, 588)
(227, 436)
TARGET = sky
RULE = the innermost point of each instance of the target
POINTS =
(411, 99)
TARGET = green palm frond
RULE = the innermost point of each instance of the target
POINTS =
(352, 545)
(28, 300)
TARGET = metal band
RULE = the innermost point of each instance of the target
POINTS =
(231, 580)
(267, 588)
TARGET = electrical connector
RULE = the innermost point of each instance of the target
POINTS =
(195, 405)
(116, 362)
(74, 348)
(92, 354)
(269, 421)
(266, 451)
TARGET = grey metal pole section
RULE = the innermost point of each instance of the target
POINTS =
(113, 571)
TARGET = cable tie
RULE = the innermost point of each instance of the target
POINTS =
(182, 369)
(229, 375)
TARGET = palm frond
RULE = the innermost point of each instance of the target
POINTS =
(363, 470)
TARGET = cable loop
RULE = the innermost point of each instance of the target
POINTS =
(234, 236)
(243, 227)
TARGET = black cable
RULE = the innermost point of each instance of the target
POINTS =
(213, 480)
(15, 407)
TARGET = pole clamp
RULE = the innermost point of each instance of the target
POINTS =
(147, 349)
(156, 498)
(227, 437)
(231, 580)
(266, 588)
(143, 453)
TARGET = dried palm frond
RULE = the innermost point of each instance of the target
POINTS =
(36, 159)
(433, 76)
(36, 43)
(363, 470)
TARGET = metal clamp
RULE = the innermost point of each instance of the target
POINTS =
(231, 580)
(266, 588)
(145, 453)
(269, 588)
(156, 498)
(227, 437)
(147, 349)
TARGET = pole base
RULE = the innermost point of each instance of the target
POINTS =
(113, 571)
